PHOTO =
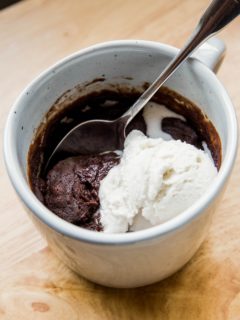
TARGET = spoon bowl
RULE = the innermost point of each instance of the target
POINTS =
(101, 136)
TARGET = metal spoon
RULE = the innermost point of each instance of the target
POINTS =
(97, 136)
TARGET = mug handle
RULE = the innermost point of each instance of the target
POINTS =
(211, 53)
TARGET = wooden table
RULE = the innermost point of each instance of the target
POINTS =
(33, 283)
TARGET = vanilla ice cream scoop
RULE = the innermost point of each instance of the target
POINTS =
(155, 181)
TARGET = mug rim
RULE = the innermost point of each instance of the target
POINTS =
(25, 193)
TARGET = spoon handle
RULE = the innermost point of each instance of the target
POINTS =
(216, 17)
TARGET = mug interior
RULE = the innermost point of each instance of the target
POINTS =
(120, 62)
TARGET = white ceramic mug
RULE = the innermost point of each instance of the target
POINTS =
(142, 257)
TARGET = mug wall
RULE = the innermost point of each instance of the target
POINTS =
(134, 264)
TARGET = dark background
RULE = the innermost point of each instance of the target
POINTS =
(5, 3)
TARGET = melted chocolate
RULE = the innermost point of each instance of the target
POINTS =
(181, 130)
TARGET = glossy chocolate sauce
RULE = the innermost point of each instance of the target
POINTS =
(70, 188)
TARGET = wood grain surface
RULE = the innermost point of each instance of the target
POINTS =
(33, 283)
